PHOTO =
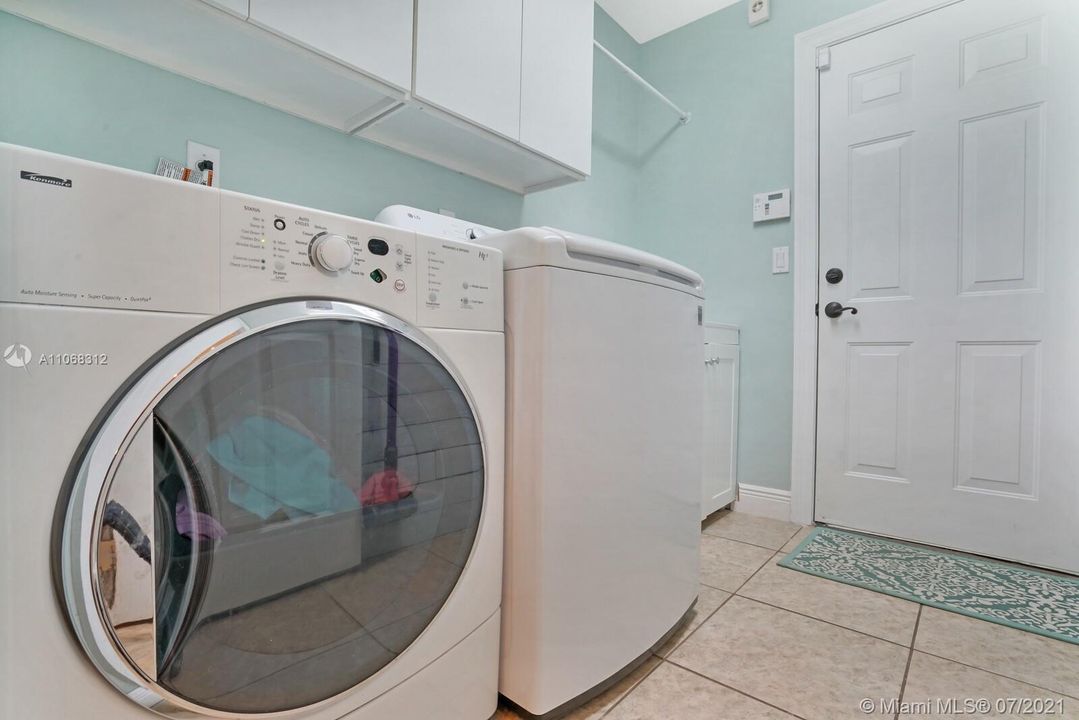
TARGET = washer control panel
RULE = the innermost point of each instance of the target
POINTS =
(271, 249)
(460, 284)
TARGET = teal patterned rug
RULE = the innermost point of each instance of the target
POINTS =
(1029, 600)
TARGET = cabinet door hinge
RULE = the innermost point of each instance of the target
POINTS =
(824, 58)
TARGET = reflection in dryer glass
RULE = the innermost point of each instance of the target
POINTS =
(317, 491)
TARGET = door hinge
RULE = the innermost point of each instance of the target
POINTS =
(816, 309)
(824, 58)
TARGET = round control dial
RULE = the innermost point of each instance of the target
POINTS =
(331, 252)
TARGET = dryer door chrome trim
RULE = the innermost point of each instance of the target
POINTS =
(98, 468)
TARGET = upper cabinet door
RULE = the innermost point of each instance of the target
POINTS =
(372, 36)
(236, 7)
(556, 80)
(468, 60)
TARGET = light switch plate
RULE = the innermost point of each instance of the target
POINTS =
(781, 260)
(759, 11)
(197, 152)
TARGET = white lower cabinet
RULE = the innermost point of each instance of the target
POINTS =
(720, 472)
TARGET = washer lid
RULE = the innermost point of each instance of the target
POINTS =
(549, 247)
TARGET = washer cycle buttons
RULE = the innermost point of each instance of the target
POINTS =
(377, 275)
(279, 223)
(378, 246)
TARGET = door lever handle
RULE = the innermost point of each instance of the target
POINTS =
(834, 309)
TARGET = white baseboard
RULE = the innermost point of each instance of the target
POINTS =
(764, 501)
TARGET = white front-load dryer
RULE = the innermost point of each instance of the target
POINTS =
(252, 456)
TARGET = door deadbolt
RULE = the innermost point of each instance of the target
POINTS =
(833, 276)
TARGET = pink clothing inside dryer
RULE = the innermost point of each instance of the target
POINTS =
(386, 486)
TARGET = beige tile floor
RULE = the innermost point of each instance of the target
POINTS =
(769, 643)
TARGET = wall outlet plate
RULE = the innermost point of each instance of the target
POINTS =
(759, 11)
(197, 152)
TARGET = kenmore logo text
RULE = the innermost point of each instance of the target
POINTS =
(47, 179)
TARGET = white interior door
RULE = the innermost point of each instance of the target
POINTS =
(948, 406)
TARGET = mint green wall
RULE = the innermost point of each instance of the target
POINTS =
(696, 185)
(68, 96)
(682, 192)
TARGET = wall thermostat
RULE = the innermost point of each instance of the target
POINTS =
(772, 205)
(759, 11)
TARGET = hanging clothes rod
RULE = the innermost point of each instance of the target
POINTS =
(683, 116)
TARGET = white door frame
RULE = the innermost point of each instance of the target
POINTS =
(807, 46)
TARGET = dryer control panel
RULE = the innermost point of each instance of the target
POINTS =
(88, 235)
(271, 249)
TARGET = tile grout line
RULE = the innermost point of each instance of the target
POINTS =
(999, 675)
(666, 659)
(910, 659)
(710, 615)
(917, 621)
(743, 542)
(738, 592)
(762, 547)
(826, 622)
(721, 605)
(743, 693)
(632, 687)
(718, 608)
(751, 576)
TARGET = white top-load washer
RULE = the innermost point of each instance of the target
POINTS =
(435, 224)
(604, 445)
(252, 456)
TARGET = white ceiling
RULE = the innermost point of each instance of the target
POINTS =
(647, 19)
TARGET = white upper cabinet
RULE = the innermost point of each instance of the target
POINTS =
(236, 7)
(372, 36)
(468, 60)
(556, 80)
(497, 89)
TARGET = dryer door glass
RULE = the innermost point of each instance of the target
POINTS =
(316, 491)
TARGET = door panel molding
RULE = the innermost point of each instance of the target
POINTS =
(942, 419)
(808, 48)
